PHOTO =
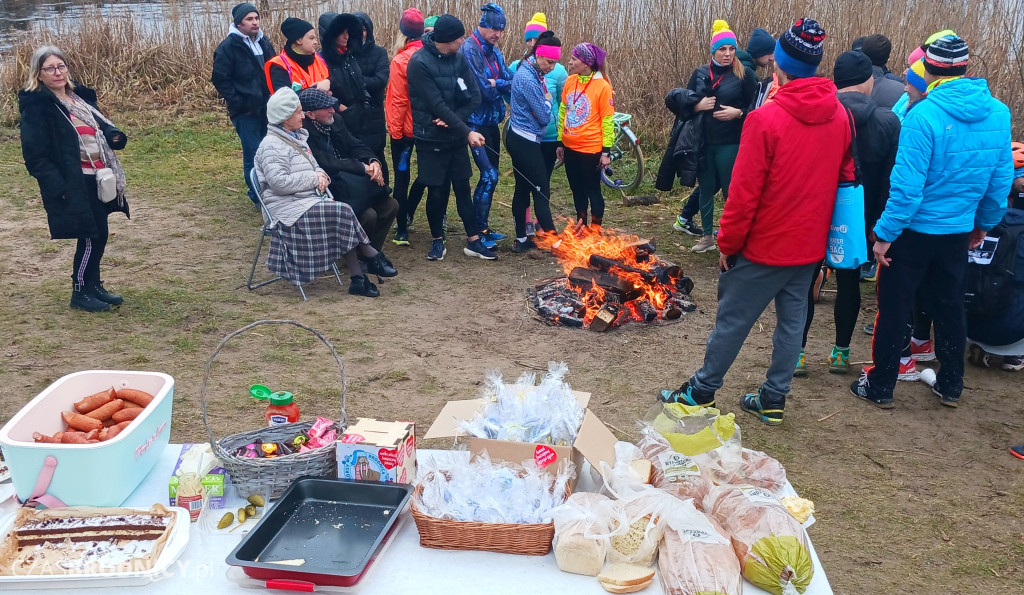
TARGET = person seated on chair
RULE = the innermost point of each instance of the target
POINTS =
(1002, 333)
(357, 177)
(313, 232)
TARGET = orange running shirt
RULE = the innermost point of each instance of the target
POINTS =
(586, 104)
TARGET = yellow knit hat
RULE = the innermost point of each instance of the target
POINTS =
(721, 35)
(537, 25)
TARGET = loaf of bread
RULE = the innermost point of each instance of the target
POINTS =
(639, 543)
(583, 514)
(674, 472)
(626, 575)
(697, 561)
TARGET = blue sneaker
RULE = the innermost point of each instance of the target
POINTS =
(860, 389)
(476, 248)
(437, 250)
(687, 395)
(493, 236)
(487, 243)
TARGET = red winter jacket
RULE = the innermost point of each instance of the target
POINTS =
(793, 153)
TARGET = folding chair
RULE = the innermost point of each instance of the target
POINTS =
(267, 230)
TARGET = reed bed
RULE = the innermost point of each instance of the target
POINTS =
(653, 45)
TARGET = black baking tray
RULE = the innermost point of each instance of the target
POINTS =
(333, 526)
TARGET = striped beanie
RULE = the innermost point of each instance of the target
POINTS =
(915, 76)
(721, 35)
(538, 24)
(947, 56)
(800, 48)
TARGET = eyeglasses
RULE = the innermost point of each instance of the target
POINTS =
(52, 70)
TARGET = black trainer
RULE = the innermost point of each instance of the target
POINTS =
(521, 247)
(361, 286)
(380, 265)
(761, 404)
(947, 401)
(83, 300)
(859, 389)
(99, 292)
(687, 395)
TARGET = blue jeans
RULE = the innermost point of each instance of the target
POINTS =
(251, 130)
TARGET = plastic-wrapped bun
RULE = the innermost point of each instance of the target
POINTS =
(770, 544)
(696, 559)
(751, 467)
(674, 472)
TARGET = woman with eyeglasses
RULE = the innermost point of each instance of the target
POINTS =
(67, 142)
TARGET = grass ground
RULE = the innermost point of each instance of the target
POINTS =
(920, 499)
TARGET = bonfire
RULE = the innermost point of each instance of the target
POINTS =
(611, 278)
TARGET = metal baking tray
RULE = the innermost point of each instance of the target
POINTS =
(326, 531)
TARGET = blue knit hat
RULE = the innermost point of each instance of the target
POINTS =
(799, 50)
(493, 17)
(761, 43)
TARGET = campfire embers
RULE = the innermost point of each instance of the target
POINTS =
(611, 279)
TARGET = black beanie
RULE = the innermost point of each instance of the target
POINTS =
(761, 43)
(294, 29)
(240, 10)
(448, 28)
(852, 68)
(877, 47)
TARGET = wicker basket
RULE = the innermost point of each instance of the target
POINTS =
(274, 475)
(506, 538)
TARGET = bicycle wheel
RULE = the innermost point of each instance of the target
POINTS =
(626, 171)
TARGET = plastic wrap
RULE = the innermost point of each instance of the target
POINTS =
(674, 472)
(482, 491)
(545, 413)
(696, 558)
(770, 544)
(639, 523)
(582, 526)
(727, 466)
(694, 430)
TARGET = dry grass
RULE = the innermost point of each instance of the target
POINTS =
(653, 45)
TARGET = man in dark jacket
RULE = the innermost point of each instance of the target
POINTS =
(443, 94)
(376, 68)
(888, 87)
(238, 76)
(341, 36)
(356, 174)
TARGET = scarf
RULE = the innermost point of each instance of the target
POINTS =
(91, 116)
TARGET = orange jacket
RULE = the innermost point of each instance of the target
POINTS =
(316, 73)
(397, 109)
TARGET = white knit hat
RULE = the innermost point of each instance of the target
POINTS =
(282, 105)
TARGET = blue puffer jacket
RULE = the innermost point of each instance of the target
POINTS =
(954, 167)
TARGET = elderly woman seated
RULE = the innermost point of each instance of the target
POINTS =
(314, 231)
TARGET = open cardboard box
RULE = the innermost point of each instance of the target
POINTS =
(594, 442)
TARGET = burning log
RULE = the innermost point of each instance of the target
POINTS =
(583, 279)
(605, 318)
(660, 274)
(671, 313)
(646, 310)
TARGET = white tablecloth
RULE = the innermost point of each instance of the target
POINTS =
(406, 568)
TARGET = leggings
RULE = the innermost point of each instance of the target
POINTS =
(847, 306)
(531, 178)
(408, 199)
(486, 159)
(437, 207)
(583, 171)
(89, 251)
(717, 173)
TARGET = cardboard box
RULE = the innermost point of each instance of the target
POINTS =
(594, 443)
(375, 450)
(211, 480)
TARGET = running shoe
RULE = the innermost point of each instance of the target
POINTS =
(1017, 451)
(979, 357)
(859, 389)
(870, 329)
(531, 228)
(953, 402)
(706, 244)
(839, 361)
(687, 226)
(687, 395)
(521, 247)
(908, 371)
(400, 239)
(801, 366)
(751, 403)
(437, 250)
(492, 236)
(1013, 363)
(477, 249)
(924, 352)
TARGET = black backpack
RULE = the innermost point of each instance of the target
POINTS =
(991, 287)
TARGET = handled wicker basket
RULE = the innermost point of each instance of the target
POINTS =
(506, 538)
(274, 475)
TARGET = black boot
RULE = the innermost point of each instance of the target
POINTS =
(99, 292)
(361, 286)
(81, 299)
(380, 265)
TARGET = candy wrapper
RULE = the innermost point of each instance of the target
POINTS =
(322, 433)
(547, 413)
(480, 490)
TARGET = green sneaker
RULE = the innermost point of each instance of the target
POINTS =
(839, 361)
(801, 366)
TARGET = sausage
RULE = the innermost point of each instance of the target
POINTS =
(110, 422)
(127, 414)
(77, 421)
(139, 397)
(103, 413)
(93, 402)
(46, 439)
(111, 432)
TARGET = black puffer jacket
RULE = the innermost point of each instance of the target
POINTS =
(339, 151)
(347, 83)
(441, 86)
(238, 75)
(376, 68)
(50, 147)
(730, 91)
(878, 138)
(685, 150)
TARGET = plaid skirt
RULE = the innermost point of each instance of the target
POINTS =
(302, 252)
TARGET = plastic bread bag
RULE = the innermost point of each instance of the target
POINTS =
(482, 491)
(770, 544)
(673, 471)
(695, 557)
(750, 467)
(582, 528)
(694, 430)
(638, 531)
(545, 413)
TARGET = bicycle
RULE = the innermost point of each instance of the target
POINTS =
(626, 171)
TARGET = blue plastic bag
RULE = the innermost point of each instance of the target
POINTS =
(847, 239)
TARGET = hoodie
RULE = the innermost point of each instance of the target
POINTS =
(347, 83)
(954, 167)
(373, 63)
(793, 153)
